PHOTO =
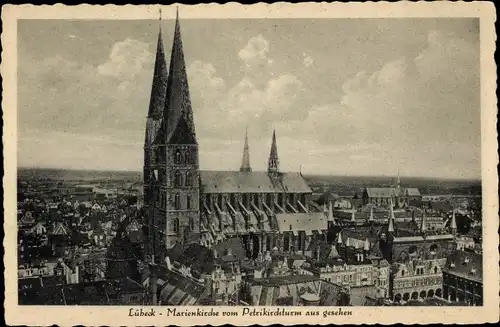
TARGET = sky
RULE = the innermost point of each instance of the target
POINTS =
(346, 96)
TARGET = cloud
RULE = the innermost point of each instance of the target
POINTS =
(127, 59)
(308, 61)
(257, 100)
(394, 105)
(62, 94)
(254, 53)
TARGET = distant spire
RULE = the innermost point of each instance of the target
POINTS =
(391, 219)
(330, 213)
(453, 221)
(423, 226)
(371, 213)
(398, 183)
(353, 215)
(273, 163)
(347, 243)
(245, 162)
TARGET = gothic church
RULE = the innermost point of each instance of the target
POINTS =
(265, 209)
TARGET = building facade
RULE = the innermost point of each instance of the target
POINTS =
(463, 278)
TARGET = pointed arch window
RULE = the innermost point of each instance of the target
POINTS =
(178, 178)
(177, 201)
(187, 157)
(176, 225)
(188, 202)
(189, 179)
(191, 223)
(178, 156)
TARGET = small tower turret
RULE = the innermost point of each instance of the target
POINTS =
(273, 162)
(331, 219)
(453, 225)
(245, 162)
(390, 228)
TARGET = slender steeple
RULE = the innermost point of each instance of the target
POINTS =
(453, 225)
(371, 214)
(353, 215)
(391, 218)
(178, 111)
(331, 219)
(158, 91)
(398, 182)
(273, 163)
(423, 226)
(245, 162)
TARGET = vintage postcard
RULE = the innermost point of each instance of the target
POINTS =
(212, 164)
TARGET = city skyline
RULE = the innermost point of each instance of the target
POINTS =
(353, 115)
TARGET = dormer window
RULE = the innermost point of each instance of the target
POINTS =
(466, 260)
(473, 271)
(452, 265)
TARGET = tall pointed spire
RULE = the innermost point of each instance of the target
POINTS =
(371, 213)
(423, 225)
(245, 162)
(158, 90)
(390, 229)
(273, 163)
(453, 225)
(330, 213)
(353, 215)
(178, 111)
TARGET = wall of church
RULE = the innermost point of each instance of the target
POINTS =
(181, 194)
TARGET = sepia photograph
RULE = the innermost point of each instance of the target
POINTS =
(259, 163)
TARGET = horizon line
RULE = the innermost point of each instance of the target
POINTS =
(305, 174)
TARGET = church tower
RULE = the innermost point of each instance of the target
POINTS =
(273, 162)
(245, 162)
(172, 162)
(181, 179)
(152, 159)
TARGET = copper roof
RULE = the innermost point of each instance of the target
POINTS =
(251, 182)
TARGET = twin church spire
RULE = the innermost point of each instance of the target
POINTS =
(273, 161)
(170, 114)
